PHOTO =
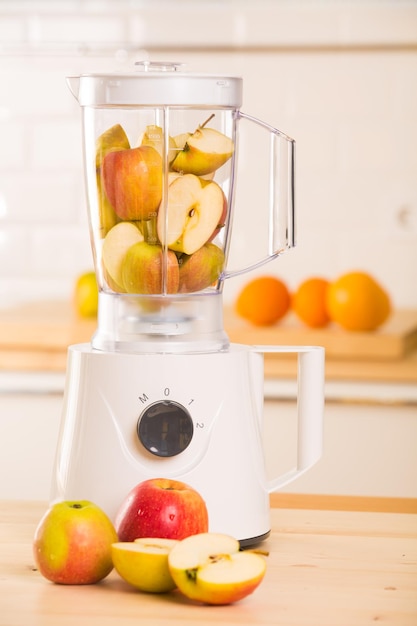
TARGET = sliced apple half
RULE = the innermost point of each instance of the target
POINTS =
(115, 245)
(210, 568)
(203, 152)
(143, 563)
(194, 211)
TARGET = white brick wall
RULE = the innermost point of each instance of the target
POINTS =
(340, 77)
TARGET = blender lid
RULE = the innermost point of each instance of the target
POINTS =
(157, 84)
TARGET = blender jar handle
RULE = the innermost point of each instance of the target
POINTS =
(310, 408)
(281, 194)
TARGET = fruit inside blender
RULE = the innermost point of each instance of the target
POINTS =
(160, 214)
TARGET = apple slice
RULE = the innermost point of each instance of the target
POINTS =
(154, 137)
(194, 211)
(201, 269)
(115, 245)
(143, 273)
(113, 138)
(203, 152)
(143, 563)
(210, 568)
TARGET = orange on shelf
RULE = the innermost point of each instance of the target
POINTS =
(356, 301)
(263, 301)
(309, 302)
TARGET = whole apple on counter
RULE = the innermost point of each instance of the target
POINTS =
(143, 563)
(196, 208)
(72, 543)
(210, 568)
(162, 508)
(132, 182)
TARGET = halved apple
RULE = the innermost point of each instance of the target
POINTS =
(210, 568)
(143, 563)
(143, 270)
(194, 211)
(115, 245)
(203, 152)
(201, 269)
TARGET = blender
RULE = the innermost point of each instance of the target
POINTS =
(160, 391)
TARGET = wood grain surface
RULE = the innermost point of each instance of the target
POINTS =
(330, 568)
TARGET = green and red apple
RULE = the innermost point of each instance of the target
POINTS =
(161, 508)
(211, 568)
(195, 210)
(146, 269)
(143, 563)
(201, 269)
(132, 182)
(72, 543)
(115, 246)
(203, 152)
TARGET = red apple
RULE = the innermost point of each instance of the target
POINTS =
(142, 270)
(72, 543)
(161, 507)
(133, 182)
(201, 269)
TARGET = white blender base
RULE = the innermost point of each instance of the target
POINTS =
(100, 456)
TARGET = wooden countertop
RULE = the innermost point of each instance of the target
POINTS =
(35, 337)
(333, 568)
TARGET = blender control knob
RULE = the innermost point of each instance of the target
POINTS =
(165, 428)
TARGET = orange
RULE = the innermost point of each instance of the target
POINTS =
(263, 301)
(356, 301)
(309, 302)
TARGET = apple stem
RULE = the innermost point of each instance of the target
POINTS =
(207, 120)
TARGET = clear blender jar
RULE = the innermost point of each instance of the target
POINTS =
(161, 152)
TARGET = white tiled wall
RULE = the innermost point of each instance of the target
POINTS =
(340, 77)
